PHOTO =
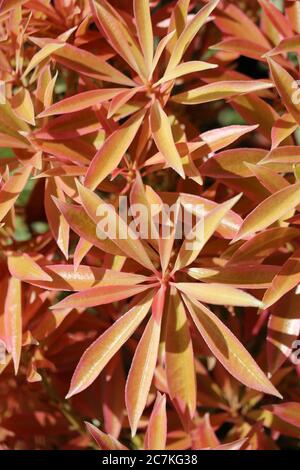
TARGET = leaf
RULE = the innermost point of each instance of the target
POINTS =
(220, 91)
(291, 44)
(58, 224)
(263, 244)
(271, 180)
(241, 46)
(83, 226)
(163, 137)
(283, 331)
(100, 295)
(287, 88)
(80, 101)
(278, 20)
(23, 107)
(124, 238)
(287, 278)
(232, 163)
(13, 321)
(218, 294)
(11, 189)
(41, 55)
(189, 33)
(244, 276)
(91, 65)
(24, 268)
(184, 69)
(282, 129)
(144, 29)
(99, 353)
(201, 233)
(180, 358)
(156, 436)
(65, 278)
(104, 441)
(288, 412)
(119, 35)
(141, 372)
(228, 350)
(112, 151)
(270, 210)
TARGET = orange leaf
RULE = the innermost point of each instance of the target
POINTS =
(103, 349)
(228, 350)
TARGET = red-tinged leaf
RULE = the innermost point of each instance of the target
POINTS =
(121, 99)
(11, 189)
(228, 226)
(10, 120)
(65, 277)
(124, 238)
(278, 20)
(12, 141)
(291, 44)
(270, 210)
(103, 349)
(263, 244)
(201, 233)
(282, 158)
(141, 372)
(241, 46)
(228, 350)
(271, 421)
(24, 268)
(217, 139)
(232, 163)
(234, 22)
(163, 137)
(160, 48)
(220, 91)
(255, 110)
(271, 180)
(13, 321)
(7, 5)
(81, 223)
(62, 170)
(184, 69)
(156, 436)
(287, 88)
(204, 437)
(104, 441)
(76, 151)
(189, 33)
(119, 35)
(283, 331)
(288, 412)
(41, 55)
(180, 358)
(144, 29)
(81, 101)
(100, 295)
(112, 151)
(112, 396)
(244, 276)
(218, 294)
(91, 65)
(282, 129)
(58, 224)
(287, 278)
(236, 445)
